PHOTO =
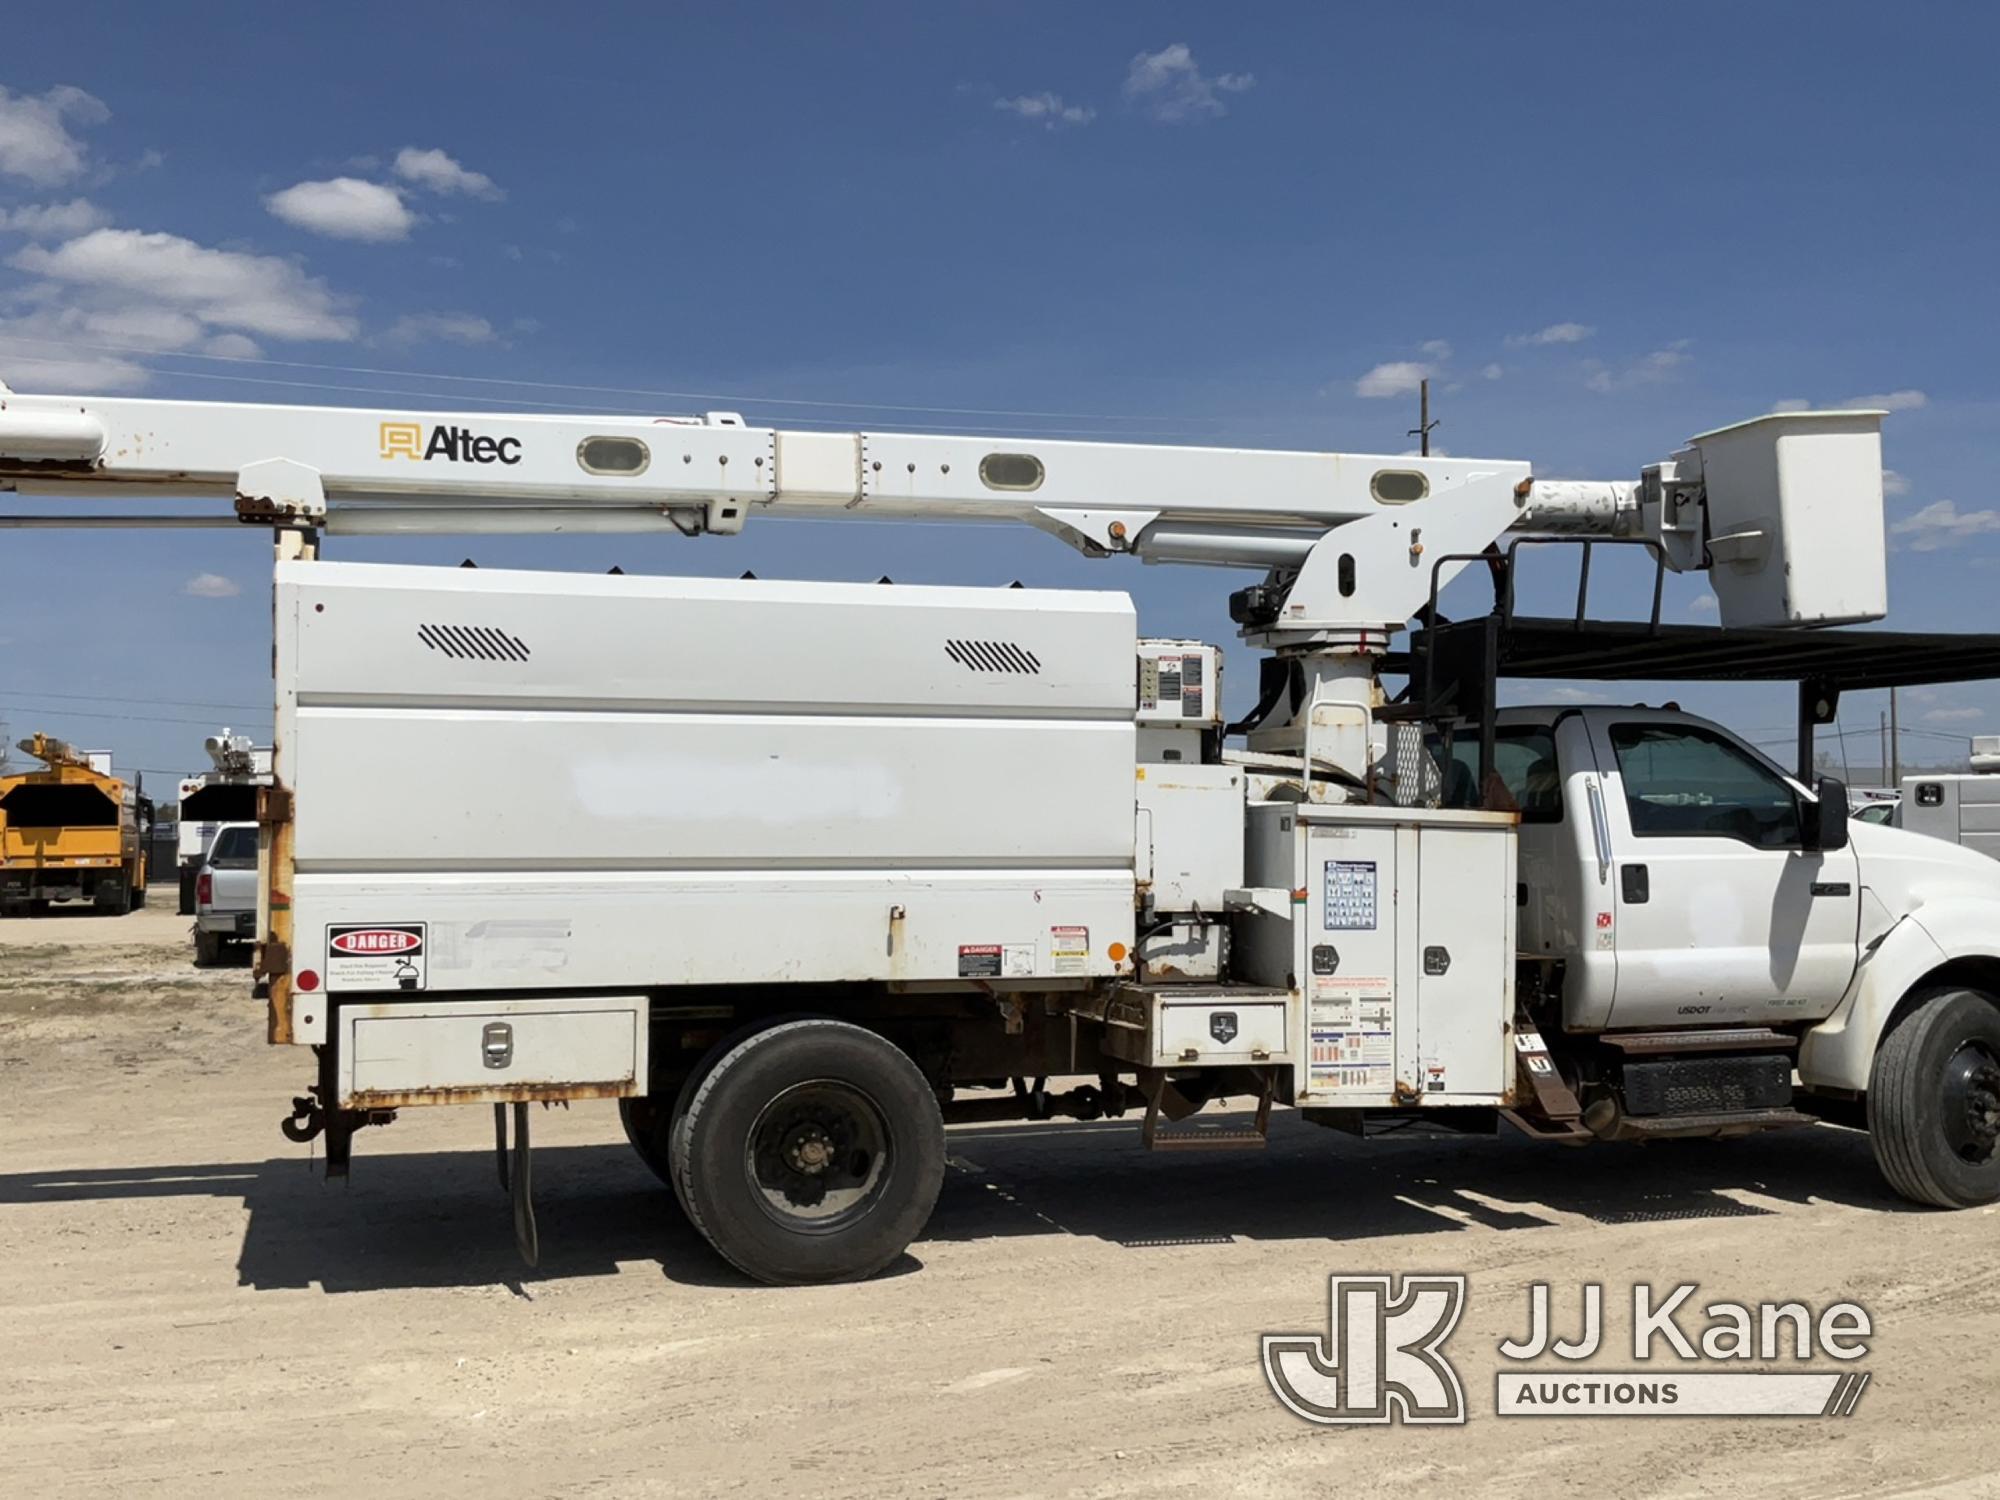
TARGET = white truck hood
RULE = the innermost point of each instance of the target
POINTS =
(1904, 870)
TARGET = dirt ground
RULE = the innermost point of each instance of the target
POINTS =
(187, 1309)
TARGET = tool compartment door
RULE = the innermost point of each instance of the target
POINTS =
(396, 1053)
(1462, 961)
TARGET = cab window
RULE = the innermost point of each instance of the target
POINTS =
(1524, 761)
(1683, 781)
(235, 849)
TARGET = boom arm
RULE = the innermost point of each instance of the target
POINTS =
(1348, 538)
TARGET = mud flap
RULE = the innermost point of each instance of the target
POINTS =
(517, 1179)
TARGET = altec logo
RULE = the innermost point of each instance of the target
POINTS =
(453, 444)
(375, 940)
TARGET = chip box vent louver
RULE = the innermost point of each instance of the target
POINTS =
(992, 656)
(473, 642)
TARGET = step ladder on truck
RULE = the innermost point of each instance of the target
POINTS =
(809, 871)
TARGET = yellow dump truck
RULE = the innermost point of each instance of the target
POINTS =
(71, 831)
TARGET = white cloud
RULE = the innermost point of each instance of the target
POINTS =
(1954, 715)
(35, 142)
(1942, 522)
(1894, 483)
(230, 289)
(1703, 604)
(1047, 110)
(455, 328)
(1398, 378)
(1171, 87)
(1572, 695)
(1649, 369)
(1879, 401)
(344, 208)
(1905, 400)
(54, 221)
(232, 346)
(1492, 372)
(35, 354)
(211, 586)
(1439, 349)
(441, 173)
(1555, 333)
(147, 324)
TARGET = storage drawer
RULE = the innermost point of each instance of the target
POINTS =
(1212, 1032)
(491, 1051)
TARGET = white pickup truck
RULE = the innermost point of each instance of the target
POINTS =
(225, 893)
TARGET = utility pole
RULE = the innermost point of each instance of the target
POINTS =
(1895, 744)
(1422, 431)
(1883, 763)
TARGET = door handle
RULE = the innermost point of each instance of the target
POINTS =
(1635, 885)
(1600, 830)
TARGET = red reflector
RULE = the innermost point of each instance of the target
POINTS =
(308, 979)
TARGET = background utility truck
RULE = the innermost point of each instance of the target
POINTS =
(71, 831)
(807, 871)
(227, 793)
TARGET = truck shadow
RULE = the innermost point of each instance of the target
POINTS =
(438, 1219)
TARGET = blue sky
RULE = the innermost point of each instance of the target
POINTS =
(1600, 228)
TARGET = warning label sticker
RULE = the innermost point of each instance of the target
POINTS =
(375, 956)
(978, 960)
(996, 960)
(1350, 895)
(1069, 950)
(1339, 1057)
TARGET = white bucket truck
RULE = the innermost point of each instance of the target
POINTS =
(799, 873)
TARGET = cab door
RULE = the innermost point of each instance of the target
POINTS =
(1719, 913)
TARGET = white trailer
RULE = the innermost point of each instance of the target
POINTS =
(799, 873)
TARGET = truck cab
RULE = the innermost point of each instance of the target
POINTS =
(1674, 876)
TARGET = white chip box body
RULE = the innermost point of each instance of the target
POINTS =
(563, 781)
(1400, 945)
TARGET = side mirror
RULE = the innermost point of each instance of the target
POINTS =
(1826, 819)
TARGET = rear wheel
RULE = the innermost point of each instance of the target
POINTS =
(207, 948)
(1934, 1101)
(812, 1151)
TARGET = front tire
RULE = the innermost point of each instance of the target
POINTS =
(812, 1151)
(1934, 1101)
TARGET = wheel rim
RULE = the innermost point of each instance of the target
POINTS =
(1972, 1103)
(818, 1156)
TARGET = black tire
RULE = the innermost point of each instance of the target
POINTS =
(137, 899)
(657, 1127)
(812, 1151)
(1934, 1101)
(645, 1125)
(207, 949)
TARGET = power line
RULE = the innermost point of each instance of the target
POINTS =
(83, 713)
(553, 385)
(263, 708)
